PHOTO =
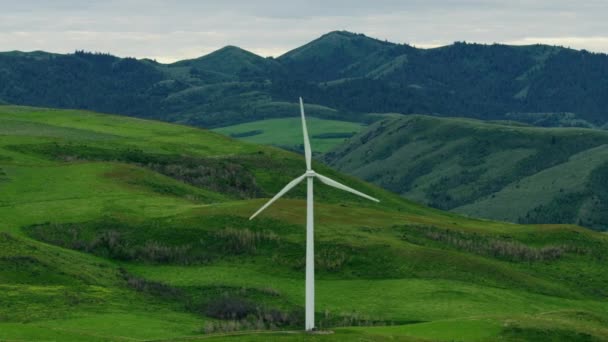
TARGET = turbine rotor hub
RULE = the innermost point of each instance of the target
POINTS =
(310, 173)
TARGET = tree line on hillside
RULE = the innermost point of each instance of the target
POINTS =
(352, 73)
(471, 80)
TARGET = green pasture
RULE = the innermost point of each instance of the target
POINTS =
(287, 132)
(108, 232)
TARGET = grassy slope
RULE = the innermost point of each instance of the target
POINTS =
(49, 292)
(492, 170)
(539, 188)
(286, 132)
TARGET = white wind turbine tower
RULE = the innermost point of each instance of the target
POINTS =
(310, 175)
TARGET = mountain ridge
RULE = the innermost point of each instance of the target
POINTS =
(350, 73)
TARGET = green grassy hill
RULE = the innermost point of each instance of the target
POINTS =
(287, 132)
(495, 170)
(120, 229)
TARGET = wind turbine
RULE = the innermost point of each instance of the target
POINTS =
(310, 175)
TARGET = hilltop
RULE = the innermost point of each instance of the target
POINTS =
(231, 61)
(334, 56)
(346, 75)
(498, 170)
(116, 228)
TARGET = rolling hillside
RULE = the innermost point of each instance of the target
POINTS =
(496, 170)
(121, 229)
(346, 75)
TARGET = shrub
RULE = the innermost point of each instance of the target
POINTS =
(499, 248)
(229, 307)
(112, 243)
(150, 287)
(331, 258)
(240, 313)
(109, 243)
(154, 251)
(244, 241)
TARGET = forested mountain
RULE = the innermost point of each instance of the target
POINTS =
(347, 74)
(233, 63)
(81, 80)
(494, 170)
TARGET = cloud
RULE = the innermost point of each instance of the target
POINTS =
(173, 30)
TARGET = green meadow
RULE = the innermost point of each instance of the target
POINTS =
(287, 132)
(121, 229)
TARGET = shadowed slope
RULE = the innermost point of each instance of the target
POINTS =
(494, 170)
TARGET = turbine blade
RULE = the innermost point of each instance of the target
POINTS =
(340, 186)
(287, 187)
(307, 153)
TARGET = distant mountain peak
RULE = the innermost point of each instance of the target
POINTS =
(343, 33)
(228, 50)
(233, 49)
(230, 60)
(337, 39)
(330, 55)
(357, 44)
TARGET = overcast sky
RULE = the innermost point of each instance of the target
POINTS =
(172, 30)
